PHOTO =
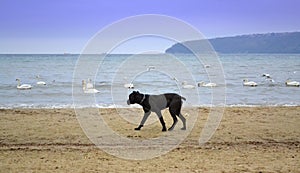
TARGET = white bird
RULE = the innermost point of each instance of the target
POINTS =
(266, 75)
(23, 86)
(40, 82)
(129, 85)
(89, 84)
(203, 84)
(88, 90)
(91, 91)
(103, 83)
(270, 81)
(249, 83)
(150, 68)
(187, 86)
(292, 83)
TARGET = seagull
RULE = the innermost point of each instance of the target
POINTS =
(150, 68)
(129, 85)
(266, 75)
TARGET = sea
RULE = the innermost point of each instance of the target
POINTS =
(150, 74)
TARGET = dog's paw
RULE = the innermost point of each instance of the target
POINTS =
(183, 128)
(171, 128)
(139, 127)
(164, 130)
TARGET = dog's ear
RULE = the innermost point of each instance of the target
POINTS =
(137, 92)
(134, 92)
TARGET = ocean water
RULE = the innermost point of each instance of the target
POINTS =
(64, 73)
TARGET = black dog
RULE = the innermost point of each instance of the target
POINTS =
(156, 103)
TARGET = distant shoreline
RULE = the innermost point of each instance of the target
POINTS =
(270, 43)
(260, 43)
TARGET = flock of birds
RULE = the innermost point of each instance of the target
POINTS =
(28, 86)
(268, 77)
(88, 86)
(185, 85)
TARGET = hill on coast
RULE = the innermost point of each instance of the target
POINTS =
(288, 42)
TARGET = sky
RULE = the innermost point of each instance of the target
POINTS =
(58, 26)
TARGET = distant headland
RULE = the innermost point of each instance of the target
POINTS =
(287, 42)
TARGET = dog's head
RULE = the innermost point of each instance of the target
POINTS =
(135, 97)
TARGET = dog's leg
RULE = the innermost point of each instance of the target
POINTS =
(174, 120)
(175, 108)
(183, 121)
(146, 115)
(161, 119)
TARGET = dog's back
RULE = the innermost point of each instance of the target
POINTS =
(162, 101)
(173, 96)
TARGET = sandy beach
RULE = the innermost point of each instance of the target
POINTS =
(249, 139)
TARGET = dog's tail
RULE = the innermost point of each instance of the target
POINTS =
(183, 98)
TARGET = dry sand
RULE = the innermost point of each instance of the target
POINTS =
(249, 139)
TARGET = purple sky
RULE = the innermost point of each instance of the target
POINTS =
(57, 26)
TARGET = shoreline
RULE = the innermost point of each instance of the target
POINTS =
(248, 139)
(137, 107)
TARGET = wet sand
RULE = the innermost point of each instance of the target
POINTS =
(248, 139)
